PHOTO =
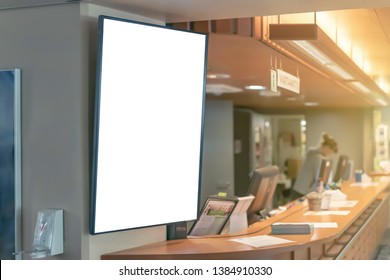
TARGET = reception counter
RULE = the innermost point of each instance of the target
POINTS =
(356, 236)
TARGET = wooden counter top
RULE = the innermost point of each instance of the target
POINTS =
(221, 246)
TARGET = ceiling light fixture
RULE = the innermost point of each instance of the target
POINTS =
(311, 104)
(361, 87)
(340, 71)
(270, 93)
(382, 102)
(291, 99)
(218, 76)
(255, 87)
(313, 52)
(320, 57)
(219, 89)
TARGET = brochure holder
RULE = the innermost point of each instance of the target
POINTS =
(215, 213)
(238, 220)
(49, 233)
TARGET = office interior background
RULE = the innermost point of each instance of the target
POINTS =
(54, 43)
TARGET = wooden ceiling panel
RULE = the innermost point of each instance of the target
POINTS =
(369, 32)
(248, 61)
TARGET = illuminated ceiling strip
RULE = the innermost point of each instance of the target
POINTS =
(313, 52)
(340, 71)
(323, 59)
(361, 87)
(381, 102)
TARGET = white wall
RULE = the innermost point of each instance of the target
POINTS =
(45, 43)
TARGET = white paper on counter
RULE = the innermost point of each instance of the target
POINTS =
(261, 240)
(364, 184)
(326, 213)
(341, 203)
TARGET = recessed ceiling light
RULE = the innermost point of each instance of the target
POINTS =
(270, 93)
(291, 99)
(255, 87)
(311, 104)
(218, 76)
(219, 89)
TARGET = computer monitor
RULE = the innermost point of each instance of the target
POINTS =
(342, 166)
(349, 171)
(324, 171)
(262, 186)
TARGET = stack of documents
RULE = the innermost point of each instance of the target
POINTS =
(292, 228)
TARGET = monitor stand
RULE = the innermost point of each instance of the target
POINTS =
(253, 218)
